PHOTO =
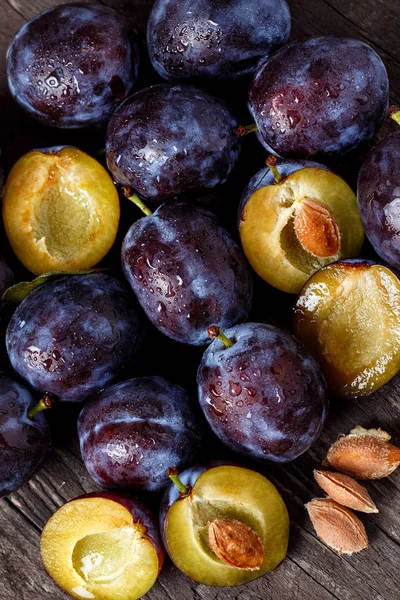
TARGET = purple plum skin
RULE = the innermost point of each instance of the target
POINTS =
(132, 432)
(214, 39)
(169, 140)
(70, 66)
(264, 397)
(24, 442)
(187, 272)
(72, 336)
(323, 96)
(379, 198)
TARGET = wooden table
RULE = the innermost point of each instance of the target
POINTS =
(311, 571)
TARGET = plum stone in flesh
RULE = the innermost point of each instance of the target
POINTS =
(169, 140)
(72, 336)
(265, 396)
(187, 272)
(132, 432)
(324, 96)
(214, 39)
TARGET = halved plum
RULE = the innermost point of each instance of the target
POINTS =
(103, 546)
(223, 524)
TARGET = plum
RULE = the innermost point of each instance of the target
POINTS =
(213, 39)
(71, 65)
(169, 140)
(323, 96)
(186, 271)
(104, 545)
(261, 392)
(292, 226)
(133, 431)
(347, 315)
(24, 435)
(223, 524)
(73, 335)
(60, 210)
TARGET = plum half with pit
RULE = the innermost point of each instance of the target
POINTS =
(169, 140)
(223, 524)
(73, 335)
(133, 431)
(262, 392)
(60, 210)
(323, 96)
(379, 197)
(24, 435)
(292, 225)
(348, 316)
(186, 271)
(103, 546)
(208, 39)
(71, 65)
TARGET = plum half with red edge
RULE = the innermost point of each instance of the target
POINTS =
(262, 392)
(103, 546)
(223, 524)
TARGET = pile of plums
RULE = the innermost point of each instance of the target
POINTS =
(75, 334)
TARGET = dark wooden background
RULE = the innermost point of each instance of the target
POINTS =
(311, 571)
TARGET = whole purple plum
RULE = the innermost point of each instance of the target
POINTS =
(265, 395)
(169, 140)
(132, 432)
(24, 441)
(187, 272)
(71, 65)
(73, 335)
(214, 39)
(323, 96)
(379, 198)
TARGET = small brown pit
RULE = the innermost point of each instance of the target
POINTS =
(316, 228)
(236, 544)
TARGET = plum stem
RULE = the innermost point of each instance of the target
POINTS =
(44, 403)
(216, 332)
(136, 200)
(394, 113)
(172, 473)
(244, 130)
(271, 164)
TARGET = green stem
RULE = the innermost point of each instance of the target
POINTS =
(136, 200)
(271, 164)
(216, 332)
(174, 477)
(243, 130)
(394, 113)
(44, 403)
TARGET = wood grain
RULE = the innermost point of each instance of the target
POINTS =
(311, 571)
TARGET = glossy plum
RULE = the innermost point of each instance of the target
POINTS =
(187, 272)
(72, 65)
(379, 198)
(132, 432)
(73, 335)
(265, 396)
(24, 442)
(169, 140)
(213, 39)
(323, 96)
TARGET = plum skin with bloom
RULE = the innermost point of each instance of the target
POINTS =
(24, 442)
(265, 396)
(323, 96)
(214, 40)
(70, 66)
(169, 140)
(73, 335)
(187, 272)
(132, 432)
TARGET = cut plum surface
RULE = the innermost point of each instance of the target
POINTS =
(232, 526)
(102, 546)
(348, 316)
